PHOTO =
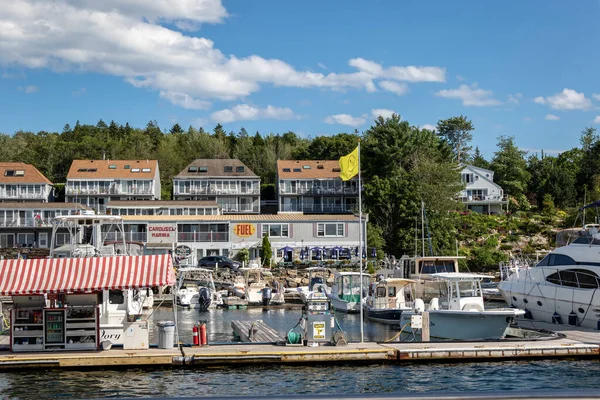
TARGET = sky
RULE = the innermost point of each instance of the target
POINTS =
(524, 69)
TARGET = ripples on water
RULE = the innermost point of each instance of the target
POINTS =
(292, 379)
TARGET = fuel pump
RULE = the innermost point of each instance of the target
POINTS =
(317, 323)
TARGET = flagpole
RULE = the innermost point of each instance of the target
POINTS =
(360, 240)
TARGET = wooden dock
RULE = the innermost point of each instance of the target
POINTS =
(255, 332)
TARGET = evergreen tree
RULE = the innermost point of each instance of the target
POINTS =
(478, 160)
(457, 132)
(510, 167)
(267, 252)
(176, 129)
(219, 132)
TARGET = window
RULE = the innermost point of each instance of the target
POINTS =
(127, 166)
(192, 169)
(145, 169)
(337, 170)
(380, 292)
(9, 172)
(392, 291)
(228, 168)
(320, 167)
(116, 297)
(560, 259)
(334, 229)
(25, 239)
(297, 170)
(19, 172)
(306, 166)
(202, 169)
(7, 240)
(287, 170)
(112, 166)
(579, 278)
(135, 170)
(239, 168)
(276, 230)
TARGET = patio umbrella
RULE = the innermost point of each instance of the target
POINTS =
(356, 252)
(373, 252)
(302, 254)
(364, 253)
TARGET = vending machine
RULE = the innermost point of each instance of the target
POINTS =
(54, 321)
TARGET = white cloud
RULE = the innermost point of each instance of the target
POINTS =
(409, 74)
(394, 87)
(552, 117)
(470, 95)
(568, 99)
(384, 112)
(596, 96)
(125, 38)
(79, 92)
(28, 89)
(185, 100)
(597, 119)
(246, 112)
(429, 127)
(321, 65)
(514, 98)
(345, 119)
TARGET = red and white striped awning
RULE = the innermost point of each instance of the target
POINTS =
(76, 275)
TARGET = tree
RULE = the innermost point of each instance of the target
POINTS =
(176, 129)
(478, 160)
(219, 132)
(510, 167)
(457, 132)
(267, 252)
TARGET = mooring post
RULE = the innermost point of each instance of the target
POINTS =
(425, 327)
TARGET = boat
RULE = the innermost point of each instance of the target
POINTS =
(562, 287)
(260, 286)
(317, 282)
(490, 291)
(461, 314)
(387, 300)
(196, 289)
(345, 294)
(423, 268)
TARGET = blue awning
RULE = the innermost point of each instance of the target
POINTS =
(594, 204)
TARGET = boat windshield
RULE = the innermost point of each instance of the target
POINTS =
(436, 266)
(469, 289)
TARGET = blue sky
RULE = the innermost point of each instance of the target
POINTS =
(526, 69)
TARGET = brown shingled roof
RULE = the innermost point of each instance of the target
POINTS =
(30, 173)
(216, 168)
(43, 206)
(82, 169)
(318, 169)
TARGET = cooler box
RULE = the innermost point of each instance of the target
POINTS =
(136, 335)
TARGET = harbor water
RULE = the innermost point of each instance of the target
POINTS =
(275, 380)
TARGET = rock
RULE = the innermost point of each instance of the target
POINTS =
(292, 284)
(305, 281)
(298, 280)
(292, 273)
(330, 280)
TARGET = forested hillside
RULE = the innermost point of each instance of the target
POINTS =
(402, 165)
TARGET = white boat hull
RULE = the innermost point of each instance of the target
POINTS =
(462, 325)
(343, 305)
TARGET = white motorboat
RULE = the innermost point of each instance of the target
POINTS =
(387, 300)
(196, 289)
(562, 287)
(260, 286)
(462, 314)
(345, 294)
(422, 270)
(317, 277)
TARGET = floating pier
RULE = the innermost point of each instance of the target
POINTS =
(255, 332)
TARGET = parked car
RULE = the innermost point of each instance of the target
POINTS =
(211, 262)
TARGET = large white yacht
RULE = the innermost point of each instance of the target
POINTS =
(562, 287)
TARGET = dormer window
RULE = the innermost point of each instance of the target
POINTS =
(239, 169)
(135, 170)
(287, 170)
(145, 169)
(337, 170)
(306, 166)
(9, 172)
(228, 168)
(297, 170)
(202, 169)
(320, 167)
(193, 169)
(127, 166)
(112, 166)
(87, 170)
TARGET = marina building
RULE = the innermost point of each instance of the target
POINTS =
(94, 183)
(227, 181)
(315, 187)
(20, 182)
(481, 194)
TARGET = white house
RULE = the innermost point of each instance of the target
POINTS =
(481, 194)
(20, 182)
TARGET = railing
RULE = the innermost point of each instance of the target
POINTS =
(483, 199)
(210, 190)
(25, 222)
(203, 237)
(318, 190)
(127, 236)
(22, 195)
(317, 209)
(73, 192)
(239, 209)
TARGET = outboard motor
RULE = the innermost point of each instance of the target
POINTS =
(266, 296)
(204, 299)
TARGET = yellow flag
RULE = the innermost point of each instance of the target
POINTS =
(349, 165)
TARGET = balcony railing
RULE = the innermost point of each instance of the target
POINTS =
(127, 236)
(240, 209)
(25, 222)
(203, 237)
(74, 192)
(322, 209)
(318, 191)
(214, 191)
(484, 199)
(23, 195)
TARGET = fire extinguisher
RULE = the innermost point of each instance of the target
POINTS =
(195, 335)
(203, 337)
